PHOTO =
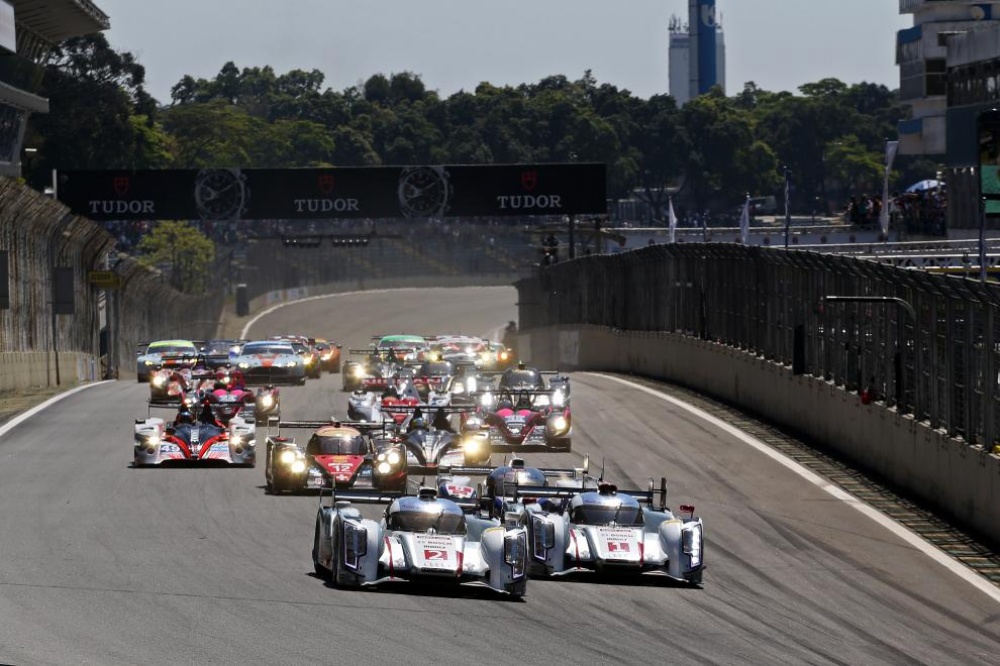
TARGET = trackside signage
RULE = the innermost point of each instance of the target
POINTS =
(495, 190)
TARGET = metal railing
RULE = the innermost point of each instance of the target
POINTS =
(940, 366)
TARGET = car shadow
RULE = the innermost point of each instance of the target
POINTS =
(420, 589)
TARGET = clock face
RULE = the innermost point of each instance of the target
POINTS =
(220, 194)
(423, 191)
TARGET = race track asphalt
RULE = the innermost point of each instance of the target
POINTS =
(101, 563)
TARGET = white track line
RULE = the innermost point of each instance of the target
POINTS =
(899, 530)
(21, 418)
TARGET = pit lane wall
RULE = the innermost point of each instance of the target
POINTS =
(914, 448)
(38, 235)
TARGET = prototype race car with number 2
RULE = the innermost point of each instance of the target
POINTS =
(422, 538)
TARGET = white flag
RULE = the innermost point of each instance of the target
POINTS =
(890, 155)
(672, 220)
(745, 222)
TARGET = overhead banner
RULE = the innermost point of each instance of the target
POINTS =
(494, 190)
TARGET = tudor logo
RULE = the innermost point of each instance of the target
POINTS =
(121, 185)
(529, 179)
(325, 182)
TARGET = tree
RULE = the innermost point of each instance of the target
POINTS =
(94, 91)
(183, 252)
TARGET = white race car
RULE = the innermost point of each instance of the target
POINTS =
(420, 538)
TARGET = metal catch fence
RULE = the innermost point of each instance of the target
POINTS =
(926, 344)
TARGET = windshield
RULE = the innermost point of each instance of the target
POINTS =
(342, 445)
(421, 521)
(171, 349)
(266, 348)
(401, 344)
(603, 514)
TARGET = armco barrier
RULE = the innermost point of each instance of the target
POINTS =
(962, 480)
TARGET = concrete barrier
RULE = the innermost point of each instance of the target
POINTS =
(961, 480)
(20, 371)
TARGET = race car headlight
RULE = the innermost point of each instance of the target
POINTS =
(486, 398)
(287, 457)
(244, 365)
(298, 466)
(153, 440)
(503, 356)
(159, 381)
(291, 364)
(266, 401)
(383, 467)
(355, 544)
(513, 553)
(544, 534)
(357, 371)
(472, 446)
(458, 389)
(326, 357)
(691, 544)
(236, 440)
(559, 423)
(147, 363)
(393, 457)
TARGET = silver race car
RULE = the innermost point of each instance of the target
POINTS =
(270, 362)
(602, 528)
(421, 538)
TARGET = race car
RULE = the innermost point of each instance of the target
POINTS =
(219, 353)
(229, 396)
(336, 455)
(391, 404)
(163, 353)
(270, 362)
(437, 444)
(523, 419)
(598, 528)
(170, 383)
(409, 349)
(329, 354)
(421, 538)
(373, 372)
(459, 348)
(496, 357)
(187, 440)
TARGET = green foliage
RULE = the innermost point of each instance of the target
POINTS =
(709, 154)
(183, 252)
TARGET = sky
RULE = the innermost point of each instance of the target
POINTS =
(456, 44)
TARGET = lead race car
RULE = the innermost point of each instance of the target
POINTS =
(597, 527)
(187, 440)
(421, 538)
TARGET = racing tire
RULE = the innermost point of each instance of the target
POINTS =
(300, 382)
(516, 589)
(321, 572)
(269, 487)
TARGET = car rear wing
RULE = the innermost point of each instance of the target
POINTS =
(363, 426)
(648, 496)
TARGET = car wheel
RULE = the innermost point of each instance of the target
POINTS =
(321, 571)
(516, 589)
(301, 381)
(269, 486)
